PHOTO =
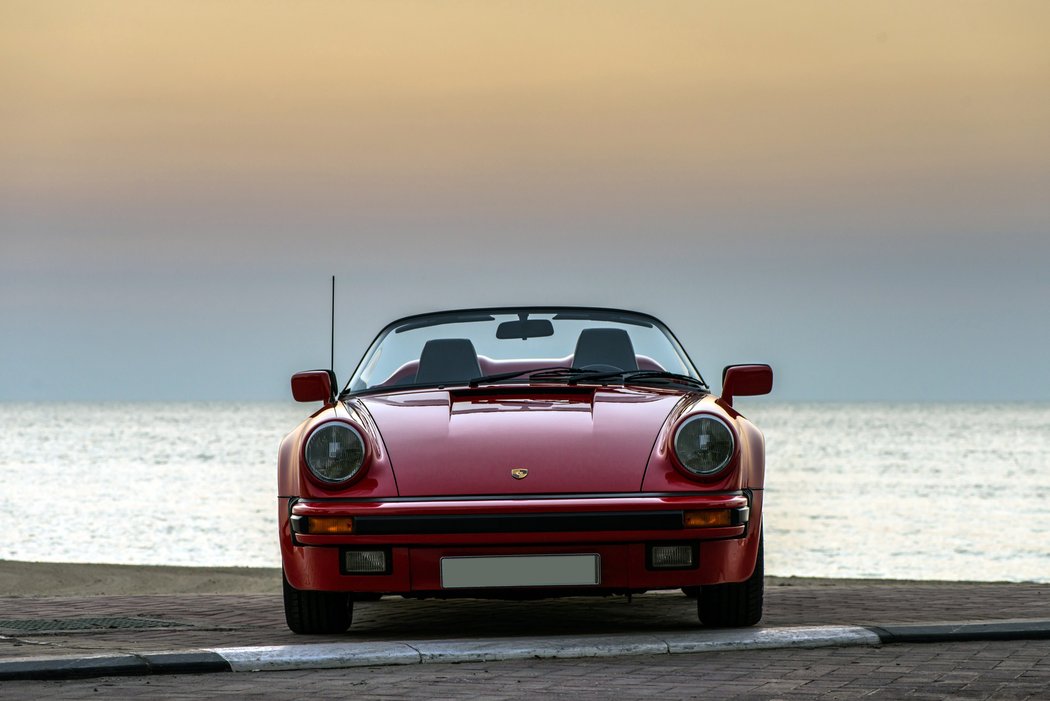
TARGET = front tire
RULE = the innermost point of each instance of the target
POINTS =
(314, 612)
(734, 605)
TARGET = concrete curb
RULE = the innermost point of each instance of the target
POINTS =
(369, 654)
(1015, 629)
(87, 666)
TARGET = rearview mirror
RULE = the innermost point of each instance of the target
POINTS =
(526, 328)
(745, 380)
(313, 386)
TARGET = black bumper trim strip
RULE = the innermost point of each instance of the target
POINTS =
(519, 523)
(521, 497)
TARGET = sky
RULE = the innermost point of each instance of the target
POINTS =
(857, 193)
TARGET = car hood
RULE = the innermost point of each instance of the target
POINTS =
(570, 440)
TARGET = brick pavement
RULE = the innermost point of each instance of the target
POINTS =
(258, 619)
(993, 670)
(972, 670)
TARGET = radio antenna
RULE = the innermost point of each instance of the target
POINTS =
(332, 356)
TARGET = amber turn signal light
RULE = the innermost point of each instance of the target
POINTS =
(330, 525)
(708, 518)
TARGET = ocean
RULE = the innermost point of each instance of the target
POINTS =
(903, 491)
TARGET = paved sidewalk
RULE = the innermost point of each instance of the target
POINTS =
(205, 621)
(993, 670)
(1017, 669)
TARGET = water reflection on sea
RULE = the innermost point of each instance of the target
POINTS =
(918, 491)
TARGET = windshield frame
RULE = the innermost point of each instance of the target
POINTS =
(415, 321)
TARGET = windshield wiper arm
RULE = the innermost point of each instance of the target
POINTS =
(553, 371)
(672, 377)
(636, 375)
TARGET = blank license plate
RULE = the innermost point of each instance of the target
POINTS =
(520, 571)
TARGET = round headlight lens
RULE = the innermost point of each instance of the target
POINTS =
(704, 445)
(335, 452)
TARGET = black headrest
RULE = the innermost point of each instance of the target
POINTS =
(605, 347)
(448, 360)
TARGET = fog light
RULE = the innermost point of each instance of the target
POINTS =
(329, 525)
(708, 518)
(671, 556)
(365, 561)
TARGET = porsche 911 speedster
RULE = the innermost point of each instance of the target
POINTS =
(522, 452)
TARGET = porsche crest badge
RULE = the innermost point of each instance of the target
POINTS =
(519, 473)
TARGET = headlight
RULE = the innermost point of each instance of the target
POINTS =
(703, 444)
(335, 452)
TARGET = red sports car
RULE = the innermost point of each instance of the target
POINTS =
(522, 452)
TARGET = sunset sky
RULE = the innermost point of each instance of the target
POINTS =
(855, 192)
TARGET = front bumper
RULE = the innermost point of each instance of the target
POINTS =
(416, 534)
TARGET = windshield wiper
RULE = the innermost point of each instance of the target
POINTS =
(571, 376)
(555, 372)
(485, 379)
(644, 376)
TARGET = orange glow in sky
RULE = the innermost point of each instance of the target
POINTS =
(848, 190)
(107, 97)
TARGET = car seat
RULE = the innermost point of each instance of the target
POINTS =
(447, 360)
(611, 347)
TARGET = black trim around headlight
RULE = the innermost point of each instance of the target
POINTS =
(726, 460)
(356, 454)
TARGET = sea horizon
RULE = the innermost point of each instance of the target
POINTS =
(855, 490)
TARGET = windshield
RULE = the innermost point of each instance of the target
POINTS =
(457, 348)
